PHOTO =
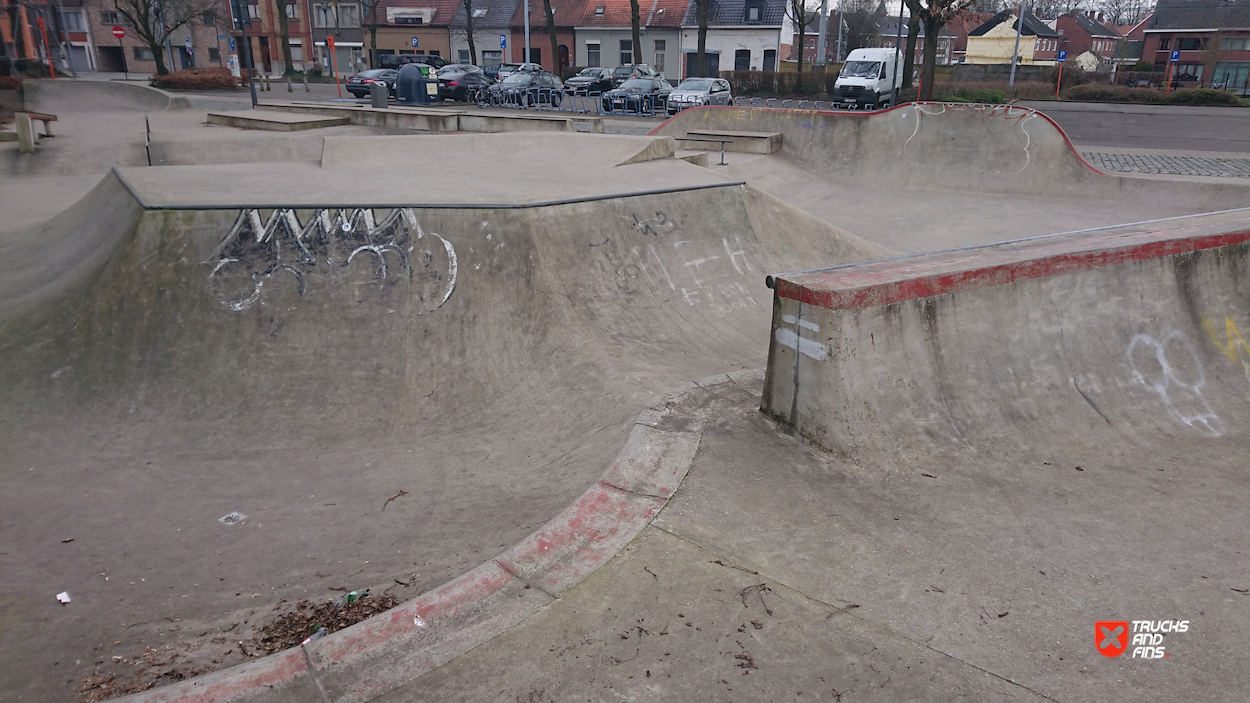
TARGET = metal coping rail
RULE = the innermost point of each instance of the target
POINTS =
(424, 206)
(723, 142)
(771, 279)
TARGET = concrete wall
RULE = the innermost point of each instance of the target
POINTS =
(1081, 340)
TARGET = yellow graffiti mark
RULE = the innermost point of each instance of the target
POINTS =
(1232, 345)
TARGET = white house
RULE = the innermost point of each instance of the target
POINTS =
(743, 35)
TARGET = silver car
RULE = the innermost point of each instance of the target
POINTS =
(699, 91)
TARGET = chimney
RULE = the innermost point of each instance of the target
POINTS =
(1100, 19)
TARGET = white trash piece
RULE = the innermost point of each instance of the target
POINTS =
(62, 597)
(419, 621)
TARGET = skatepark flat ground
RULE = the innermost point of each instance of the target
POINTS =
(155, 387)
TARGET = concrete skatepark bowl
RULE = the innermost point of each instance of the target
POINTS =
(188, 341)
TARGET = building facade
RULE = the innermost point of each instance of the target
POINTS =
(604, 35)
(994, 42)
(743, 35)
(1212, 38)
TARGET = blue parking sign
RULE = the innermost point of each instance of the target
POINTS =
(232, 49)
(503, 41)
(1063, 56)
(414, 42)
(1176, 55)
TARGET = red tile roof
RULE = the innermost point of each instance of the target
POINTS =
(617, 13)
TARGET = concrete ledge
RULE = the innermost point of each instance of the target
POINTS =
(698, 158)
(746, 142)
(479, 122)
(275, 122)
(391, 118)
(8, 136)
(373, 657)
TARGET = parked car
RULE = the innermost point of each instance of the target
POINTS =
(699, 91)
(507, 69)
(592, 80)
(620, 74)
(455, 84)
(397, 60)
(528, 88)
(358, 85)
(641, 95)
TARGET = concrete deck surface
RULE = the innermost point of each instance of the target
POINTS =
(146, 398)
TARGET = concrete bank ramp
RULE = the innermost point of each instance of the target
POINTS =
(592, 150)
(301, 365)
(98, 96)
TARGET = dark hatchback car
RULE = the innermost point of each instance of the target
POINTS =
(592, 80)
(455, 82)
(638, 95)
(358, 84)
(397, 60)
(620, 74)
(527, 89)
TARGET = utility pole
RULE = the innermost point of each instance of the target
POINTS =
(1015, 55)
(69, 54)
(824, 29)
(898, 49)
(526, 58)
(841, 22)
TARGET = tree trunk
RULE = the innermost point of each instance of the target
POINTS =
(284, 35)
(802, 38)
(551, 34)
(700, 58)
(909, 53)
(158, 54)
(468, 23)
(634, 21)
(932, 26)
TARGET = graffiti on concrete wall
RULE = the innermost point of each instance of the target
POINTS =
(1231, 344)
(390, 259)
(1020, 116)
(794, 339)
(1170, 368)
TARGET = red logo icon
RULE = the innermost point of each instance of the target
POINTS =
(1111, 636)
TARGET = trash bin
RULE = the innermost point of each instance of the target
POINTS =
(417, 85)
(378, 94)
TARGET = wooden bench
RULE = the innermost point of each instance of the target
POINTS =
(46, 119)
(748, 142)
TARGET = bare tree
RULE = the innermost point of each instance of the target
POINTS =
(371, 12)
(551, 34)
(1124, 12)
(797, 11)
(701, 10)
(859, 22)
(933, 14)
(280, 18)
(634, 21)
(468, 31)
(909, 50)
(155, 20)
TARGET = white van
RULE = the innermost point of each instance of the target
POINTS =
(868, 80)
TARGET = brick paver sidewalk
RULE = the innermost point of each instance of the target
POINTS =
(1171, 165)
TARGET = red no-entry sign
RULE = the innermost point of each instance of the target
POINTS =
(119, 32)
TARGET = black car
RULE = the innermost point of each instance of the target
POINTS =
(528, 89)
(358, 84)
(397, 60)
(455, 84)
(638, 96)
(592, 80)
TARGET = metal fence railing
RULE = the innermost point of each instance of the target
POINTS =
(576, 101)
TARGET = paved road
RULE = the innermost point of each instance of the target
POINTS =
(1169, 164)
(1152, 126)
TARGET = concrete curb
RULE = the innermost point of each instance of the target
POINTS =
(370, 658)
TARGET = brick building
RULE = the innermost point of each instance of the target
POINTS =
(1212, 36)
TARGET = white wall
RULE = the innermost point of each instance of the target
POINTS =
(727, 40)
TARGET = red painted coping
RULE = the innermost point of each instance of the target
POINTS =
(870, 113)
(370, 658)
(898, 279)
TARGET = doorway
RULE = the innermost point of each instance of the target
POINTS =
(265, 59)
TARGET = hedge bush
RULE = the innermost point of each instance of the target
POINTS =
(1202, 96)
(10, 83)
(1103, 93)
(197, 79)
(773, 83)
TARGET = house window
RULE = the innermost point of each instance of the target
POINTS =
(742, 60)
(599, 10)
(536, 55)
(111, 17)
(409, 19)
(492, 58)
(463, 54)
(658, 64)
(73, 21)
(770, 59)
(253, 12)
(349, 15)
(1188, 72)
(323, 16)
(479, 14)
(627, 52)
(208, 18)
(143, 53)
(297, 51)
(1191, 43)
(592, 54)
(292, 11)
(1163, 43)
(754, 12)
(1235, 44)
(214, 54)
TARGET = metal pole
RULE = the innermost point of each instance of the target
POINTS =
(251, 79)
(824, 29)
(1015, 55)
(69, 54)
(898, 49)
(841, 21)
(125, 71)
(526, 58)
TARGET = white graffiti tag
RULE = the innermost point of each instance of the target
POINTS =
(258, 250)
(1182, 396)
(794, 338)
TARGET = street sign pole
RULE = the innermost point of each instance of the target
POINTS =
(242, 20)
(526, 58)
(1176, 57)
(119, 33)
(1063, 58)
(333, 63)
